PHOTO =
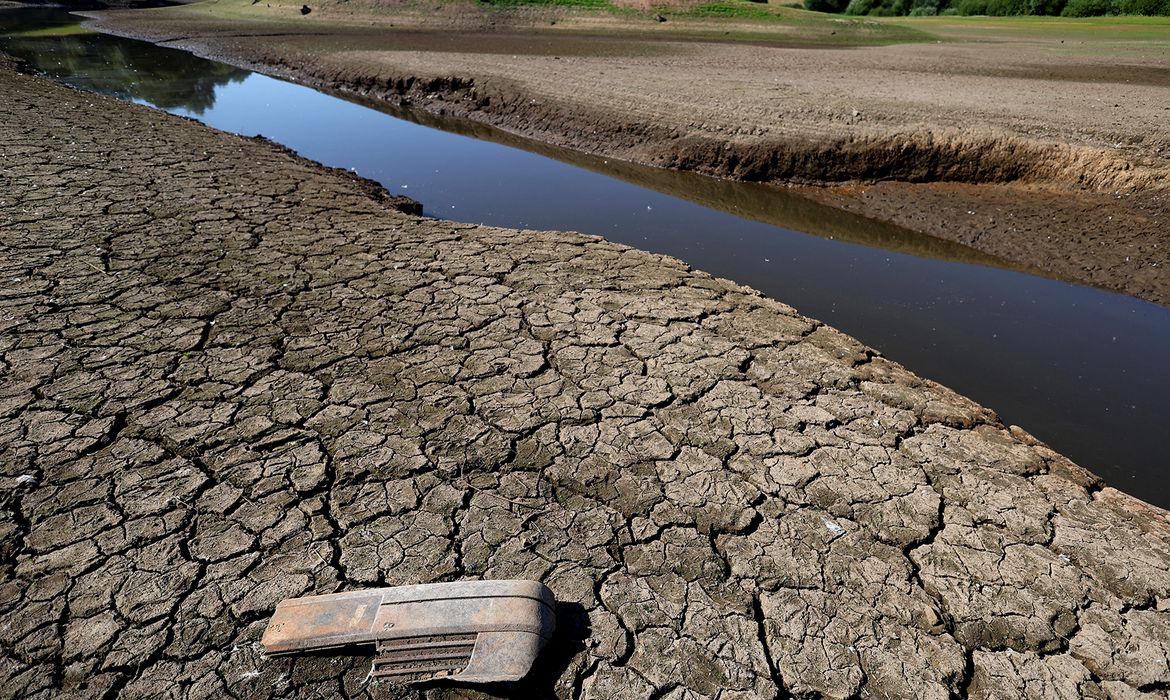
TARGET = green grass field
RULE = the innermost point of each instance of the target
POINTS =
(1089, 29)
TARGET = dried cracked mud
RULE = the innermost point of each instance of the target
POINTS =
(229, 376)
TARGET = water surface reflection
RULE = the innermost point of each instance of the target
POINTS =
(55, 43)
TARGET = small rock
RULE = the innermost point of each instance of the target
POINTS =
(833, 527)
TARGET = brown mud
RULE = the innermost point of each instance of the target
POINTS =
(1047, 180)
(230, 376)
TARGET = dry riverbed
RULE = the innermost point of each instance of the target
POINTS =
(1046, 148)
(228, 376)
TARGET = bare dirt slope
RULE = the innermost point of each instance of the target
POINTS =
(1077, 131)
(228, 376)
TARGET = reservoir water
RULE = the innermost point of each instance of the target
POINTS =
(1085, 370)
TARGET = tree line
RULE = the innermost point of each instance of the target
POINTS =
(1065, 8)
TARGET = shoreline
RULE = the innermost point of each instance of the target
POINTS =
(1102, 237)
(239, 376)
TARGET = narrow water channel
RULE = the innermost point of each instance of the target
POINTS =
(1085, 370)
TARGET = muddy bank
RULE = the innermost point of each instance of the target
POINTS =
(1076, 192)
(230, 376)
(1090, 238)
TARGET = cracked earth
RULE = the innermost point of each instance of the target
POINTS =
(230, 376)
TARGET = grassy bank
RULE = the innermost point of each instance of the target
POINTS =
(1089, 30)
(723, 20)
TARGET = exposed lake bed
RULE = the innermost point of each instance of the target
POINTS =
(1082, 369)
(233, 376)
(229, 375)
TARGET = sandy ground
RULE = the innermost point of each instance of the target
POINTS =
(228, 376)
(1051, 152)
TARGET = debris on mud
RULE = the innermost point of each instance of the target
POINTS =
(463, 631)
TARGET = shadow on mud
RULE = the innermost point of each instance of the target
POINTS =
(573, 628)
